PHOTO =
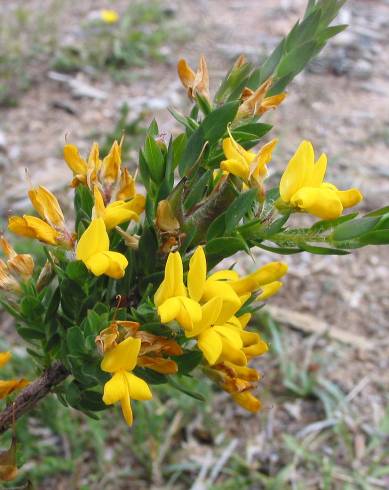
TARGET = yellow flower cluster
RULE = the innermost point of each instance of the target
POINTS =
(207, 308)
(105, 178)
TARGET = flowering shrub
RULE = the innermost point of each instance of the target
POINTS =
(128, 296)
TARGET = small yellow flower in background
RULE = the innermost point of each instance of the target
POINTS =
(117, 212)
(124, 385)
(32, 227)
(93, 250)
(8, 387)
(255, 103)
(264, 275)
(194, 82)
(251, 167)
(109, 16)
(303, 188)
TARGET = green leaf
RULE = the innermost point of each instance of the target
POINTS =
(354, 228)
(197, 190)
(250, 132)
(376, 237)
(322, 250)
(321, 226)
(241, 205)
(154, 159)
(296, 59)
(269, 66)
(150, 376)
(148, 250)
(225, 246)
(76, 271)
(75, 341)
(215, 124)
(53, 305)
(192, 151)
(179, 145)
(188, 361)
(31, 333)
(31, 307)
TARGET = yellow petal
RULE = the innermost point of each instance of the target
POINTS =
(8, 387)
(189, 314)
(197, 274)
(99, 207)
(299, 167)
(138, 388)
(46, 204)
(73, 159)
(137, 204)
(122, 357)
(173, 284)
(224, 275)
(234, 151)
(127, 186)
(232, 353)
(117, 264)
(269, 290)
(230, 334)
(126, 409)
(169, 310)
(109, 16)
(4, 358)
(115, 389)
(32, 227)
(244, 319)
(350, 198)
(319, 201)
(112, 163)
(210, 344)
(318, 172)
(185, 72)
(223, 290)
(117, 215)
(236, 167)
(264, 275)
(247, 400)
(93, 241)
(98, 264)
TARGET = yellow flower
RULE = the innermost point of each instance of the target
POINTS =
(8, 387)
(110, 169)
(124, 385)
(85, 172)
(51, 228)
(109, 16)
(248, 165)
(32, 227)
(126, 186)
(47, 206)
(255, 103)
(171, 297)
(93, 250)
(194, 82)
(303, 188)
(20, 264)
(264, 275)
(117, 212)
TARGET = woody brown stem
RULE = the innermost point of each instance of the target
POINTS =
(30, 396)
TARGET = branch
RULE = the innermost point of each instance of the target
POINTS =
(29, 397)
